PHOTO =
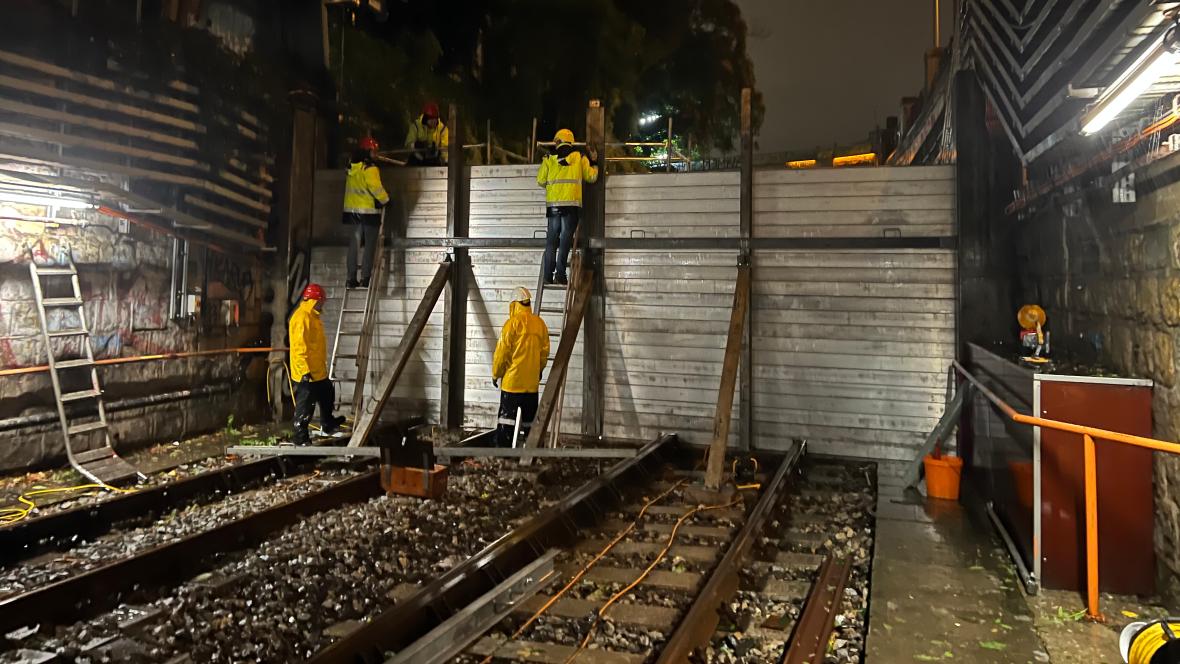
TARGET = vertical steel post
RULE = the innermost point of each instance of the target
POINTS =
(454, 361)
(668, 148)
(745, 258)
(594, 332)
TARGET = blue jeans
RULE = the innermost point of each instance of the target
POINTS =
(563, 222)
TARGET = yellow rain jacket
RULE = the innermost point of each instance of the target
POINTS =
(438, 137)
(363, 190)
(523, 351)
(563, 183)
(308, 351)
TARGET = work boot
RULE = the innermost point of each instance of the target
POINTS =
(351, 283)
(561, 280)
(364, 283)
(549, 280)
(332, 427)
(301, 438)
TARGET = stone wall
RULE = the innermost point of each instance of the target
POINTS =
(125, 279)
(1109, 277)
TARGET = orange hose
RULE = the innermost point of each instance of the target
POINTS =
(145, 358)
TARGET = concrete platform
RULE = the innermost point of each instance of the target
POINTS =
(944, 590)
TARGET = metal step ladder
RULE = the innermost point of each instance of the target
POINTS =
(359, 307)
(539, 308)
(88, 443)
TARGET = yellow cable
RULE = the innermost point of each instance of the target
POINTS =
(585, 569)
(1149, 640)
(11, 515)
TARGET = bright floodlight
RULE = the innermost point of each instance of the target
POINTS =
(1158, 61)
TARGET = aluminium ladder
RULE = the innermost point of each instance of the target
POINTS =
(100, 464)
(575, 269)
(363, 313)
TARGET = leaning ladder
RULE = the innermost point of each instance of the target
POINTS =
(100, 464)
(353, 310)
(575, 269)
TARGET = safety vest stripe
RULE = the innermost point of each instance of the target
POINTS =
(563, 203)
(357, 191)
(361, 210)
(563, 182)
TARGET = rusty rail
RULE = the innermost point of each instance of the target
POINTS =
(1089, 434)
(809, 642)
(699, 623)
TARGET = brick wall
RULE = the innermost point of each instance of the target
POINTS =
(1109, 277)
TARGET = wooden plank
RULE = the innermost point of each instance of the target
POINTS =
(725, 393)
(454, 361)
(639, 615)
(262, 191)
(550, 653)
(704, 554)
(224, 211)
(594, 355)
(101, 104)
(709, 532)
(71, 140)
(45, 113)
(686, 581)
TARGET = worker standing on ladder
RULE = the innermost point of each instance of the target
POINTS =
(363, 196)
(427, 137)
(517, 366)
(309, 366)
(562, 175)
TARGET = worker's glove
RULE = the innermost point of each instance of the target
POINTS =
(496, 382)
(593, 155)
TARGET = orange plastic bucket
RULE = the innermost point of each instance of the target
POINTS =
(942, 476)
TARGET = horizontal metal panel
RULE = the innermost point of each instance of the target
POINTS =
(847, 405)
(891, 259)
(785, 415)
(841, 361)
(852, 304)
(647, 232)
(901, 351)
(906, 334)
(765, 373)
(857, 275)
(617, 363)
(664, 180)
(682, 259)
(832, 232)
(928, 202)
(877, 319)
(879, 174)
(853, 190)
(676, 193)
(829, 390)
(673, 206)
(862, 289)
(768, 222)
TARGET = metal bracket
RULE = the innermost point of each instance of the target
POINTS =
(460, 630)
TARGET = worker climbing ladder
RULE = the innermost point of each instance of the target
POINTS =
(76, 388)
(359, 307)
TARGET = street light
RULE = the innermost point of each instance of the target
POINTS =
(1157, 61)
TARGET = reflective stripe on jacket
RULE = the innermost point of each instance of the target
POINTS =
(363, 190)
(522, 352)
(309, 353)
(438, 137)
(563, 182)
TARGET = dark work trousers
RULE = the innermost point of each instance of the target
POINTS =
(308, 394)
(364, 232)
(509, 402)
(563, 222)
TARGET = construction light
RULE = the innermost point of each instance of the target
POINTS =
(649, 118)
(855, 159)
(802, 163)
(1157, 61)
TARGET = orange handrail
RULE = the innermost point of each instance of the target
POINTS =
(145, 358)
(1091, 472)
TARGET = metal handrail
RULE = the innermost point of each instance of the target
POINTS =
(1091, 471)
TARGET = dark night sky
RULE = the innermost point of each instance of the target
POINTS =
(830, 70)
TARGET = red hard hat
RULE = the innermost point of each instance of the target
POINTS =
(314, 292)
(430, 110)
(369, 143)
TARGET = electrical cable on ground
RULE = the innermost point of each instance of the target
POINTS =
(11, 515)
(586, 569)
(601, 614)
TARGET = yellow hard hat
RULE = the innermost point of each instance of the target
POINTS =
(563, 136)
(522, 294)
(1031, 315)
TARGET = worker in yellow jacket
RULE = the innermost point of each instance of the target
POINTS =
(562, 175)
(428, 138)
(364, 196)
(309, 366)
(517, 366)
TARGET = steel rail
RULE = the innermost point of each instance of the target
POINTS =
(88, 593)
(557, 526)
(34, 536)
(812, 632)
(700, 622)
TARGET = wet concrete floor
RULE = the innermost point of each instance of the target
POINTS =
(945, 590)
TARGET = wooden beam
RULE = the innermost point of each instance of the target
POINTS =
(46, 113)
(370, 411)
(224, 211)
(454, 361)
(558, 368)
(102, 104)
(28, 133)
(746, 232)
(594, 227)
(733, 344)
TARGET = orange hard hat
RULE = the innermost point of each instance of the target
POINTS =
(369, 143)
